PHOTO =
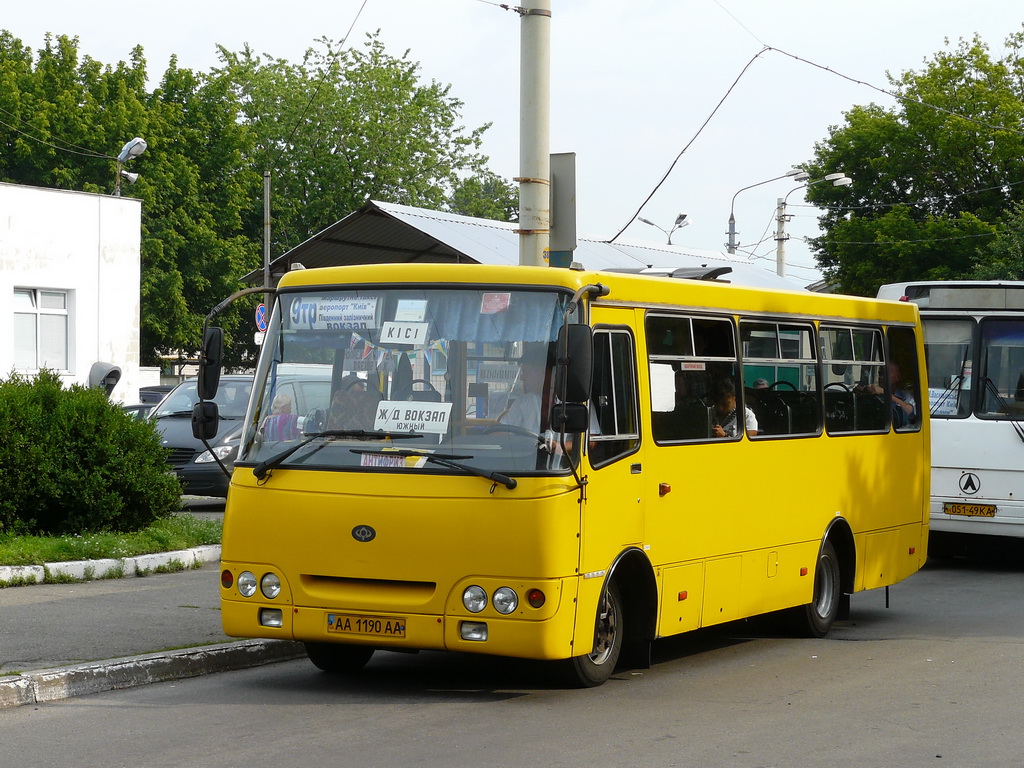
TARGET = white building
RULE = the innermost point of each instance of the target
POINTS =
(69, 285)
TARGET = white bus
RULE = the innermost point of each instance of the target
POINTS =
(974, 347)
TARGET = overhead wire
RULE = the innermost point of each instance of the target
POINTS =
(690, 142)
(77, 151)
(316, 91)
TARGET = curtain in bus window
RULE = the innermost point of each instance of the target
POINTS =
(460, 315)
(1001, 380)
(949, 353)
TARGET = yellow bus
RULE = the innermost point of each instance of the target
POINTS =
(566, 465)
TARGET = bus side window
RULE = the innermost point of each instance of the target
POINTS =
(615, 430)
(904, 379)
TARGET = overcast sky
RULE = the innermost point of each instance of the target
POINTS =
(632, 82)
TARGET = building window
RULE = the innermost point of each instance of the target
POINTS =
(41, 330)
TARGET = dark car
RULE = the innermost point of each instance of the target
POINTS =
(188, 457)
(139, 410)
(154, 393)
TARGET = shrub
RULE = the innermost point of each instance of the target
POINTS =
(72, 462)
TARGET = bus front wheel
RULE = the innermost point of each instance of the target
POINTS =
(338, 659)
(594, 668)
(815, 619)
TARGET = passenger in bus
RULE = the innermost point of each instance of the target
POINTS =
(281, 424)
(525, 412)
(724, 418)
(904, 405)
(353, 383)
(353, 406)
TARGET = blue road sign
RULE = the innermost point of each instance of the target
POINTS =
(261, 317)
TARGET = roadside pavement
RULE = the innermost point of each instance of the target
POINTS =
(62, 640)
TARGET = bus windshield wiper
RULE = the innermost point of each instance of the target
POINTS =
(1005, 406)
(957, 383)
(447, 460)
(261, 469)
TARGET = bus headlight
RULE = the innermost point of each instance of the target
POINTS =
(475, 599)
(247, 584)
(270, 585)
(505, 600)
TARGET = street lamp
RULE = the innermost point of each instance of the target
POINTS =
(680, 223)
(132, 149)
(794, 173)
(838, 179)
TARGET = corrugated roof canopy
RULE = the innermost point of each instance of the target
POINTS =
(383, 233)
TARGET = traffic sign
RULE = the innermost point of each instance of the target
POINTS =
(261, 317)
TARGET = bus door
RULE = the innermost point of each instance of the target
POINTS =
(613, 518)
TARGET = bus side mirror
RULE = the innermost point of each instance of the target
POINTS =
(205, 418)
(210, 363)
(570, 417)
(574, 363)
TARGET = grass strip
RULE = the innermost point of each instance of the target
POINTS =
(182, 531)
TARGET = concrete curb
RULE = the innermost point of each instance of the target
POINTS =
(95, 677)
(86, 570)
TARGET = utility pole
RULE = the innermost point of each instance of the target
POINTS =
(780, 237)
(534, 127)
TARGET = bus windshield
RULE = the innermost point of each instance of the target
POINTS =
(443, 379)
(975, 367)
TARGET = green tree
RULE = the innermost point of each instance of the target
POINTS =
(486, 196)
(1004, 258)
(345, 126)
(933, 177)
(63, 119)
(337, 129)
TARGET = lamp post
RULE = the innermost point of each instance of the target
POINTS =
(794, 173)
(133, 148)
(679, 224)
(838, 179)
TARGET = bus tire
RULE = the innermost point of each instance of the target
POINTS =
(338, 659)
(594, 668)
(815, 619)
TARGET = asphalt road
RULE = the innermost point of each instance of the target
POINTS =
(932, 680)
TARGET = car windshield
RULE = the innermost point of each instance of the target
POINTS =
(459, 372)
(232, 399)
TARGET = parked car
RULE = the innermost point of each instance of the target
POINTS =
(154, 393)
(139, 410)
(190, 459)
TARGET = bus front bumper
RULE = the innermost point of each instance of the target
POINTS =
(499, 636)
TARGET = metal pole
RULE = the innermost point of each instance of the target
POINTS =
(266, 237)
(731, 245)
(534, 142)
(780, 237)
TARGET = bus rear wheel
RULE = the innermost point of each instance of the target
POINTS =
(815, 619)
(594, 668)
(338, 659)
